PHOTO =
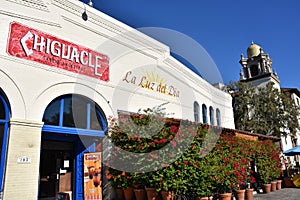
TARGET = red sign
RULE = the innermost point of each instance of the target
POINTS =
(34, 45)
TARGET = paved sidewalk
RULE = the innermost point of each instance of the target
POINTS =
(283, 194)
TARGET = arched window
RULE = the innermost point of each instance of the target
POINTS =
(73, 113)
(4, 118)
(211, 116)
(218, 116)
(196, 111)
(204, 113)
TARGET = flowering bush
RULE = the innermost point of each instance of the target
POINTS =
(268, 161)
(198, 168)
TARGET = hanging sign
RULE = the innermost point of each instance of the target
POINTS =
(92, 176)
(31, 44)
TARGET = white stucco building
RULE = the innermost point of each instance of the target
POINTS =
(65, 68)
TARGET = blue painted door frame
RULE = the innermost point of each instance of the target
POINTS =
(4, 122)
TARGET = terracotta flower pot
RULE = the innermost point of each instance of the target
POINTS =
(249, 194)
(140, 194)
(120, 194)
(202, 198)
(239, 194)
(167, 195)
(273, 186)
(278, 185)
(152, 194)
(128, 194)
(267, 188)
(225, 196)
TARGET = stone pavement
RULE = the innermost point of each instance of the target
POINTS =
(283, 194)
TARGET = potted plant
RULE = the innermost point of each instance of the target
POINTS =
(268, 164)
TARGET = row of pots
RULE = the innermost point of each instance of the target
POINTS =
(152, 194)
(143, 194)
(147, 194)
(272, 187)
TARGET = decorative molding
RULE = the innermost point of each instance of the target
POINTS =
(129, 34)
(29, 18)
(206, 86)
(37, 4)
(115, 39)
(24, 122)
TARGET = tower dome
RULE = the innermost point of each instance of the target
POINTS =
(253, 50)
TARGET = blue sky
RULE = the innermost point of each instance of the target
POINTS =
(224, 28)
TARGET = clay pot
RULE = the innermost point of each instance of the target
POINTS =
(202, 198)
(278, 185)
(128, 194)
(120, 194)
(239, 194)
(273, 186)
(267, 188)
(249, 194)
(167, 195)
(152, 194)
(225, 196)
(140, 194)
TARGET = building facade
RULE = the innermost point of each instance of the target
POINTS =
(65, 68)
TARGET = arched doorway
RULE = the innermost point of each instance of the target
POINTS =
(4, 119)
(73, 125)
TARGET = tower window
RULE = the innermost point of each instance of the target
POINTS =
(254, 70)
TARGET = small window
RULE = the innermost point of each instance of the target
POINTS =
(218, 116)
(211, 116)
(204, 113)
(196, 111)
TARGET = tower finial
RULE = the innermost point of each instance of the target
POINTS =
(252, 42)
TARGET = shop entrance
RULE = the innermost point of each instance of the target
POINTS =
(56, 168)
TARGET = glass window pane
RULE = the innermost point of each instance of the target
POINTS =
(2, 110)
(51, 115)
(211, 115)
(204, 113)
(96, 123)
(75, 112)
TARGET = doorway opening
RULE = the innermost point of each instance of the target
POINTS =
(56, 168)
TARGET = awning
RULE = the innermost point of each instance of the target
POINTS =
(293, 151)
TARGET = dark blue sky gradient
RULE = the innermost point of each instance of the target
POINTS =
(224, 28)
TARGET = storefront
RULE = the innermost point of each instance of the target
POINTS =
(62, 77)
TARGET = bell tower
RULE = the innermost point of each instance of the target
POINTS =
(257, 67)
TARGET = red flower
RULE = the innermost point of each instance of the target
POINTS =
(173, 143)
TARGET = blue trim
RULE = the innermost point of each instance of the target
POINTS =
(61, 112)
(73, 131)
(4, 142)
(88, 116)
(103, 121)
(79, 146)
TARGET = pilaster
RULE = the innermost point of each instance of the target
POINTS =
(23, 158)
